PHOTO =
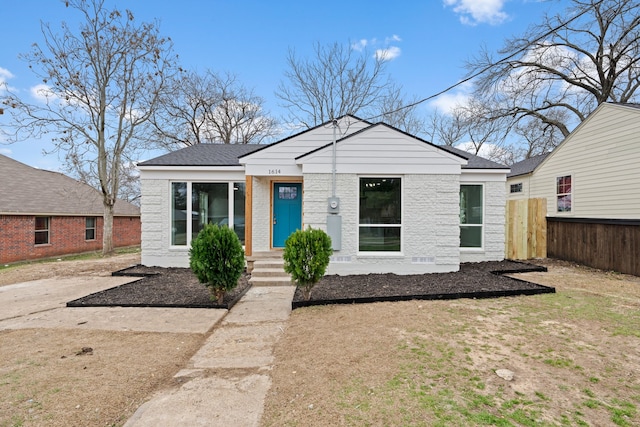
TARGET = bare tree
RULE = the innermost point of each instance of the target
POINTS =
(560, 70)
(100, 86)
(212, 108)
(336, 81)
(401, 113)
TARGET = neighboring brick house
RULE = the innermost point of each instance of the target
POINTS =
(46, 214)
(390, 201)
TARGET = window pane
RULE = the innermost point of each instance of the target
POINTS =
(238, 209)
(379, 239)
(179, 213)
(90, 232)
(209, 205)
(470, 204)
(41, 230)
(564, 203)
(380, 201)
(470, 236)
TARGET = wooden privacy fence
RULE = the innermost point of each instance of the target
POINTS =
(526, 229)
(607, 244)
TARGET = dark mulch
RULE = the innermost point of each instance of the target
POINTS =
(179, 287)
(474, 280)
(161, 287)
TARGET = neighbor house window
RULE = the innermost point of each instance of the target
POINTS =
(563, 193)
(42, 230)
(516, 188)
(380, 218)
(220, 203)
(90, 228)
(471, 216)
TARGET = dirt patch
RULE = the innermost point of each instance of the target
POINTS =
(574, 356)
(95, 266)
(47, 379)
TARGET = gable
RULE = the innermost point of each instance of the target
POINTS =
(281, 155)
(602, 156)
(382, 149)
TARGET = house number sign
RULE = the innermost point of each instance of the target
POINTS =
(275, 171)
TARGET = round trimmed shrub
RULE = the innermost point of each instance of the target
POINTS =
(217, 259)
(306, 257)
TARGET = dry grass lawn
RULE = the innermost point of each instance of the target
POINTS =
(575, 356)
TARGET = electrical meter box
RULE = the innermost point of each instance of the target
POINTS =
(333, 205)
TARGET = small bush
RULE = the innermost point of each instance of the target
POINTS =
(306, 257)
(217, 259)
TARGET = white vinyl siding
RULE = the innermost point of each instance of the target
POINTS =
(602, 156)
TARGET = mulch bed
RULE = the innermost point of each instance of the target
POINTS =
(161, 287)
(179, 287)
(474, 280)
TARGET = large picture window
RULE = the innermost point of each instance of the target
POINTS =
(471, 216)
(563, 193)
(42, 230)
(220, 203)
(380, 218)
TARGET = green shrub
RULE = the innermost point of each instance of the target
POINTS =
(306, 257)
(217, 259)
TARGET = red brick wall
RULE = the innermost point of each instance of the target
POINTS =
(66, 236)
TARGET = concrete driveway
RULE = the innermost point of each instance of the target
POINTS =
(42, 304)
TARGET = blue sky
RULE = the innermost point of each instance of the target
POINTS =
(427, 40)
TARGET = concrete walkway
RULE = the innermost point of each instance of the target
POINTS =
(227, 380)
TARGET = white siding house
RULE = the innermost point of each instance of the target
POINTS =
(593, 173)
(591, 184)
(391, 202)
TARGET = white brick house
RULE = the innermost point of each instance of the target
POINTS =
(390, 201)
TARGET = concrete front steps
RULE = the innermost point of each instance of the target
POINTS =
(267, 269)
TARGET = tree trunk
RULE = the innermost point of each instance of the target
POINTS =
(107, 230)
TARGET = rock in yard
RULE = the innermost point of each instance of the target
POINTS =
(505, 374)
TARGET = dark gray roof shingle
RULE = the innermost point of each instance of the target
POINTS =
(30, 191)
(526, 166)
(473, 161)
(204, 155)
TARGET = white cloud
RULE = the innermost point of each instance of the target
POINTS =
(5, 151)
(388, 54)
(488, 151)
(384, 50)
(473, 12)
(5, 75)
(447, 102)
(360, 45)
(42, 93)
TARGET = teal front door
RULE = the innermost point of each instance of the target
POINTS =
(287, 211)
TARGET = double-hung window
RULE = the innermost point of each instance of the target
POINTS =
(42, 230)
(563, 193)
(471, 216)
(90, 228)
(380, 217)
(194, 204)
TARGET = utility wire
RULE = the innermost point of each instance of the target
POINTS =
(488, 67)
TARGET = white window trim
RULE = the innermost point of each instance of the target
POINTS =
(483, 227)
(556, 195)
(230, 202)
(380, 254)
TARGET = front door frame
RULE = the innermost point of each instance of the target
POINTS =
(272, 212)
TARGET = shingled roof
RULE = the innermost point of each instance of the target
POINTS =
(25, 190)
(204, 155)
(526, 166)
(473, 161)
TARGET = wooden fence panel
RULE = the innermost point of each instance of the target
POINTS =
(599, 243)
(526, 229)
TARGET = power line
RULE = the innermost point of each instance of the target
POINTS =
(488, 67)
